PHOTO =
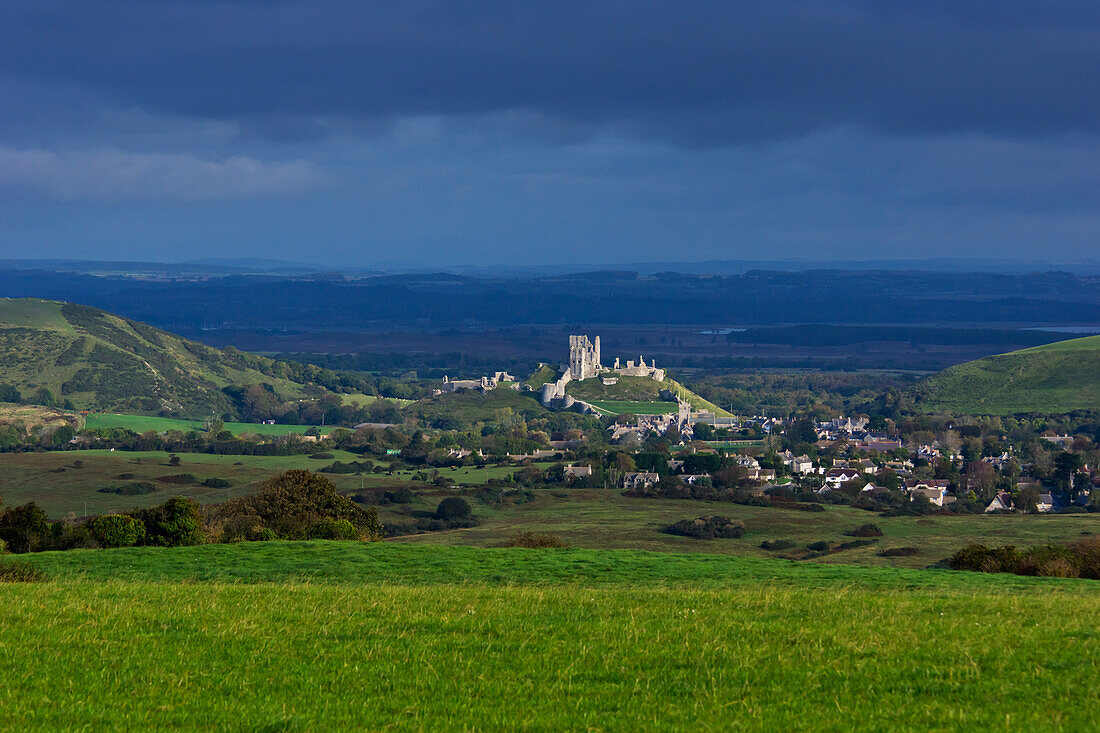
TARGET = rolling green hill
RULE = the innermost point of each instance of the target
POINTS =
(97, 360)
(637, 389)
(1056, 378)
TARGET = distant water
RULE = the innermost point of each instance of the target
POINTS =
(1065, 329)
(722, 331)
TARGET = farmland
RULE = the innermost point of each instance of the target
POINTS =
(145, 423)
(604, 518)
(55, 483)
(587, 518)
(427, 638)
(637, 408)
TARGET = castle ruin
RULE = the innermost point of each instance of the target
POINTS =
(584, 357)
(584, 363)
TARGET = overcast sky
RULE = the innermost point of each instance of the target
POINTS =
(353, 132)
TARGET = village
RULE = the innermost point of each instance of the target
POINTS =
(846, 459)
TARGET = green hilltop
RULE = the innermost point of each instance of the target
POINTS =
(96, 360)
(1055, 378)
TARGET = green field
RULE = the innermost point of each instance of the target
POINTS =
(1056, 378)
(55, 484)
(604, 518)
(696, 402)
(345, 636)
(614, 407)
(472, 406)
(143, 424)
(592, 518)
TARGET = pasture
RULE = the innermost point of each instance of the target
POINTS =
(621, 407)
(604, 518)
(145, 424)
(268, 636)
(56, 484)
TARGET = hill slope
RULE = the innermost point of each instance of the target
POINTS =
(1059, 377)
(101, 361)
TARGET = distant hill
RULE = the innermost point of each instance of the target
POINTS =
(1055, 378)
(97, 360)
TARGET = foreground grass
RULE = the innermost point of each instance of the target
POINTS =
(390, 562)
(457, 638)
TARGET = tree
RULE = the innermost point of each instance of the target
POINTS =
(732, 477)
(9, 393)
(981, 478)
(625, 462)
(453, 507)
(214, 427)
(175, 523)
(117, 530)
(1028, 499)
(24, 528)
(44, 397)
(1065, 466)
(294, 503)
(802, 430)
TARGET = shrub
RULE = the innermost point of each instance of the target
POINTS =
(267, 534)
(400, 495)
(434, 524)
(321, 456)
(293, 503)
(708, 528)
(21, 572)
(216, 483)
(346, 468)
(173, 460)
(983, 559)
(820, 546)
(866, 530)
(536, 540)
(117, 530)
(852, 544)
(24, 528)
(136, 488)
(898, 551)
(175, 523)
(453, 507)
(777, 544)
(1087, 554)
(179, 478)
(334, 529)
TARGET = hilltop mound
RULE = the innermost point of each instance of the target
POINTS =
(1056, 378)
(454, 409)
(55, 352)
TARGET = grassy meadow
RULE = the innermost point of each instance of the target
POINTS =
(619, 407)
(145, 424)
(1055, 378)
(338, 636)
(604, 518)
(53, 481)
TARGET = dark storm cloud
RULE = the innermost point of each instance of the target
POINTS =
(690, 73)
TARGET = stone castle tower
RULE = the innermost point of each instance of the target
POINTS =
(584, 357)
